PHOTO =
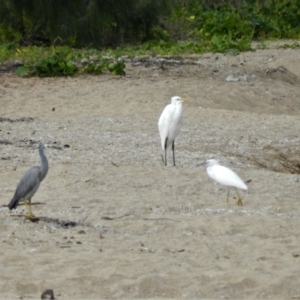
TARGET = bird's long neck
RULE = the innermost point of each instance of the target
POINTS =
(44, 164)
(179, 111)
(179, 106)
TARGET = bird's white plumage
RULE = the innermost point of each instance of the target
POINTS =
(170, 122)
(224, 175)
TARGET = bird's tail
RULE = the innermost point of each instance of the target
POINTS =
(13, 203)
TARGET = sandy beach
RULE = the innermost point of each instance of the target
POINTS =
(115, 223)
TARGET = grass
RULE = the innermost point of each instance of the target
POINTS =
(66, 61)
(203, 28)
(59, 61)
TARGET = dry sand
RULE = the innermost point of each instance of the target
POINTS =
(144, 230)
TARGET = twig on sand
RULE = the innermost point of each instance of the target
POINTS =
(114, 164)
(34, 203)
(146, 219)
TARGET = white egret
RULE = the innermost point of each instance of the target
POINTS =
(169, 125)
(225, 176)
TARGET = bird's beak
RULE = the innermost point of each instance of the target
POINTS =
(185, 99)
(202, 164)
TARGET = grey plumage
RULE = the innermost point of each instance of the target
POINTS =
(30, 183)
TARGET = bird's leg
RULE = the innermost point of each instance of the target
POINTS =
(228, 194)
(239, 202)
(31, 215)
(27, 204)
(173, 149)
(27, 207)
(166, 144)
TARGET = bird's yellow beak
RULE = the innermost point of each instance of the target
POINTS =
(185, 99)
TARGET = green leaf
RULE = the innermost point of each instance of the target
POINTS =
(23, 71)
(70, 63)
(118, 68)
(62, 65)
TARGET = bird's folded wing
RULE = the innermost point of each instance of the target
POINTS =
(28, 183)
(165, 122)
(227, 177)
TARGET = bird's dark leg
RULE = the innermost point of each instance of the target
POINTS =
(239, 202)
(166, 144)
(173, 149)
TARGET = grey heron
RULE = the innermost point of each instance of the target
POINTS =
(30, 183)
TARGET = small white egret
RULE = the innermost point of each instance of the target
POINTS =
(169, 125)
(225, 176)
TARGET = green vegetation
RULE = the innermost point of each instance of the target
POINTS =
(221, 27)
(58, 64)
(60, 61)
(63, 38)
(78, 23)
